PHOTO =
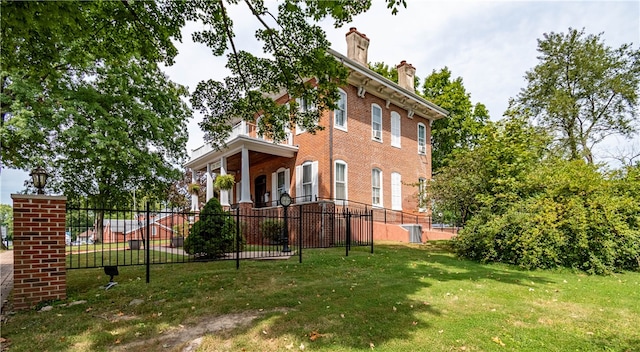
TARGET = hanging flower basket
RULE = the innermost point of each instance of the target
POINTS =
(224, 182)
(194, 188)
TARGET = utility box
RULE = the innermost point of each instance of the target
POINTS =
(415, 232)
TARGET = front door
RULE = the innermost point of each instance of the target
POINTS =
(260, 189)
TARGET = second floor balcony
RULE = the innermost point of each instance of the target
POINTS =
(241, 128)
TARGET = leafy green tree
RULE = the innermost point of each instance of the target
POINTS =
(488, 178)
(462, 128)
(214, 233)
(390, 73)
(6, 221)
(582, 90)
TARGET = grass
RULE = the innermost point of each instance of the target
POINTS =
(401, 298)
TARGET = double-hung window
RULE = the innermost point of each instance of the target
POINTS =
(376, 187)
(341, 180)
(396, 191)
(395, 129)
(307, 181)
(376, 123)
(304, 106)
(279, 184)
(422, 139)
(340, 113)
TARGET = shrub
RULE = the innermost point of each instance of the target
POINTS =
(213, 234)
(272, 230)
(569, 215)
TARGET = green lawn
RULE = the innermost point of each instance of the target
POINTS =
(401, 298)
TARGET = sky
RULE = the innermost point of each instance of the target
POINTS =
(490, 44)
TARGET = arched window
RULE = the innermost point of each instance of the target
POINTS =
(422, 139)
(340, 187)
(395, 129)
(396, 191)
(376, 187)
(340, 113)
(376, 123)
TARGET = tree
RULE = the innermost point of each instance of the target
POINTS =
(6, 222)
(582, 90)
(487, 178)
(47, 58)
(462, 128)
(390, 73)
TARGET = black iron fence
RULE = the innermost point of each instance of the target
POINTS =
(112, 236)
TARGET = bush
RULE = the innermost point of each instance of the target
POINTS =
(214, 234)
(272, 230)
(569, 215)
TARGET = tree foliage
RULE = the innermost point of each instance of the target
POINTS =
(487, 178)
(568, 214)
(462, 128)
(82, 93)
(582, 90)
(214, 233)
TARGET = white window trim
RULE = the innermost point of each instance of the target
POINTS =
(396, 191)
(346, 181)
(314, 182)
(274, 184)
(302, 107)
(335, 125)
(396, 140)
(374, 132)
(422, 187)
(422, 149)
(380, 182)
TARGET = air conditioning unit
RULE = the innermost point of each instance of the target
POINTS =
(422, 149)
(377, 134)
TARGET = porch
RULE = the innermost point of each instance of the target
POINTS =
(249, 158)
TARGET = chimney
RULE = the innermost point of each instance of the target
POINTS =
(406, 75)
(357, 46)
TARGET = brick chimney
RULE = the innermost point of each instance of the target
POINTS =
(406, 76)
(357, 46)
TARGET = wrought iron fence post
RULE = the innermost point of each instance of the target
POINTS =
(147, 242)
(300, 233)
(371, 232)
(348, 244)
(238, 238)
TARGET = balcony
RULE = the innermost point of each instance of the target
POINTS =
(242, 128)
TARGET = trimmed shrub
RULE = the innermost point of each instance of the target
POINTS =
(272, 230)
(214, 234)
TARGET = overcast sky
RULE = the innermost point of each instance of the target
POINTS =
(489, 44)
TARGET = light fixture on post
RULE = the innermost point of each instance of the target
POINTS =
(39, 177)
(285, 201)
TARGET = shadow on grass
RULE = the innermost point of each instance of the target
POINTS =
(351, 302)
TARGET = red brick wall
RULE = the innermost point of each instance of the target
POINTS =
(39, 250)
(362, 154)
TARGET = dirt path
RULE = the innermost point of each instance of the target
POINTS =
(189, 338)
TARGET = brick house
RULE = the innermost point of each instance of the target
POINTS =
(375, 148)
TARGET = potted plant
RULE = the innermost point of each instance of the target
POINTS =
(224, 182)
(193, 188)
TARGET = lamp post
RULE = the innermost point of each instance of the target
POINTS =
(39, 178)
(285, 201)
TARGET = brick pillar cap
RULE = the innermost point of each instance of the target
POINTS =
(37, 196)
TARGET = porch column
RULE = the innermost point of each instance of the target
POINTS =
(209, 183)
(224, 194)
(194, 197)
(245, 195)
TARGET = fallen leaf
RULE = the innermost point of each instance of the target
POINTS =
(117, 341)
(88, 310)
(395, 309)
(371, 345)
(341, 315)
(302, 346)
(264, 332)
(289, 346)
(415, 323)
(497, 340)
(314, 335)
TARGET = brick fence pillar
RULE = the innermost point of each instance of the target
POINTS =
(39, 270)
